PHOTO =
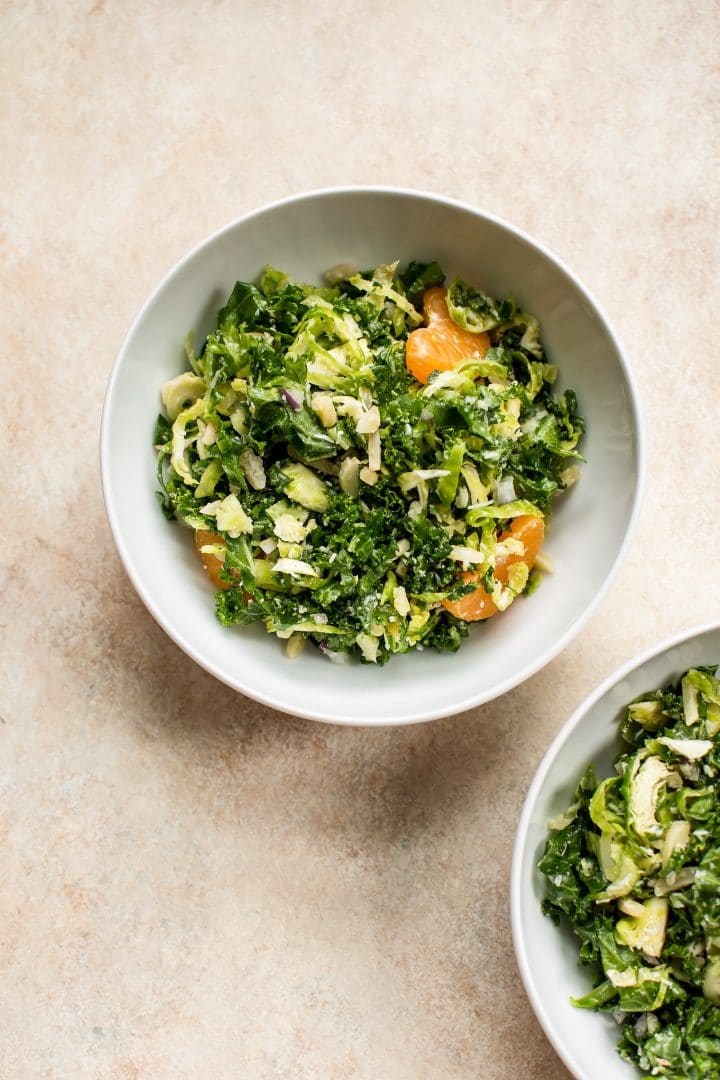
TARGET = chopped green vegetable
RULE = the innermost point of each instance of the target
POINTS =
(634, 868)
(339, 499)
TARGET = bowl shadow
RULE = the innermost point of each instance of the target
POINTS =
(369, 785)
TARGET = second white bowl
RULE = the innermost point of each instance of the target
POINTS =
(548, 954)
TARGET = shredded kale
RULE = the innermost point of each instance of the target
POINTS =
(420, 276)
(333, 494)
(633, 868)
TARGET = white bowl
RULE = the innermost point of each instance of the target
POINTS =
(547, 954)
(306, 235)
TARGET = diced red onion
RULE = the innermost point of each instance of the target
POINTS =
(291, 399)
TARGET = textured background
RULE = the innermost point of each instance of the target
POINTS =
(191, 885)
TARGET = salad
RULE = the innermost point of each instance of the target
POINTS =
(634, 868)
(360, 473)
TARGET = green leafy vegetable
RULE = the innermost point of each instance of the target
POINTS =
(339, 500)
(634, 869)
(475, 310)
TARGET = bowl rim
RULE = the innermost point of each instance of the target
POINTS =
(545, 656)
(521, 835)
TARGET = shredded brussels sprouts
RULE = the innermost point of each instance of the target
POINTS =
(634, 868)
(337, 500)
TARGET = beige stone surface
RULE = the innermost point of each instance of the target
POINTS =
(192, 885)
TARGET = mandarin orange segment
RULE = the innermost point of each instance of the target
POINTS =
(479, 605)
(441, 344)
(212, 563)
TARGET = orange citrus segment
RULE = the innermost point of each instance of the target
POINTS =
(479, 605)
(441, 344)
(212, 563)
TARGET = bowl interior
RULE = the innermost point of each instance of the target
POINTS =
(547, 954)
(305, 236)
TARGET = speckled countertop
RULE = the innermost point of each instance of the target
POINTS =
(192, 885)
